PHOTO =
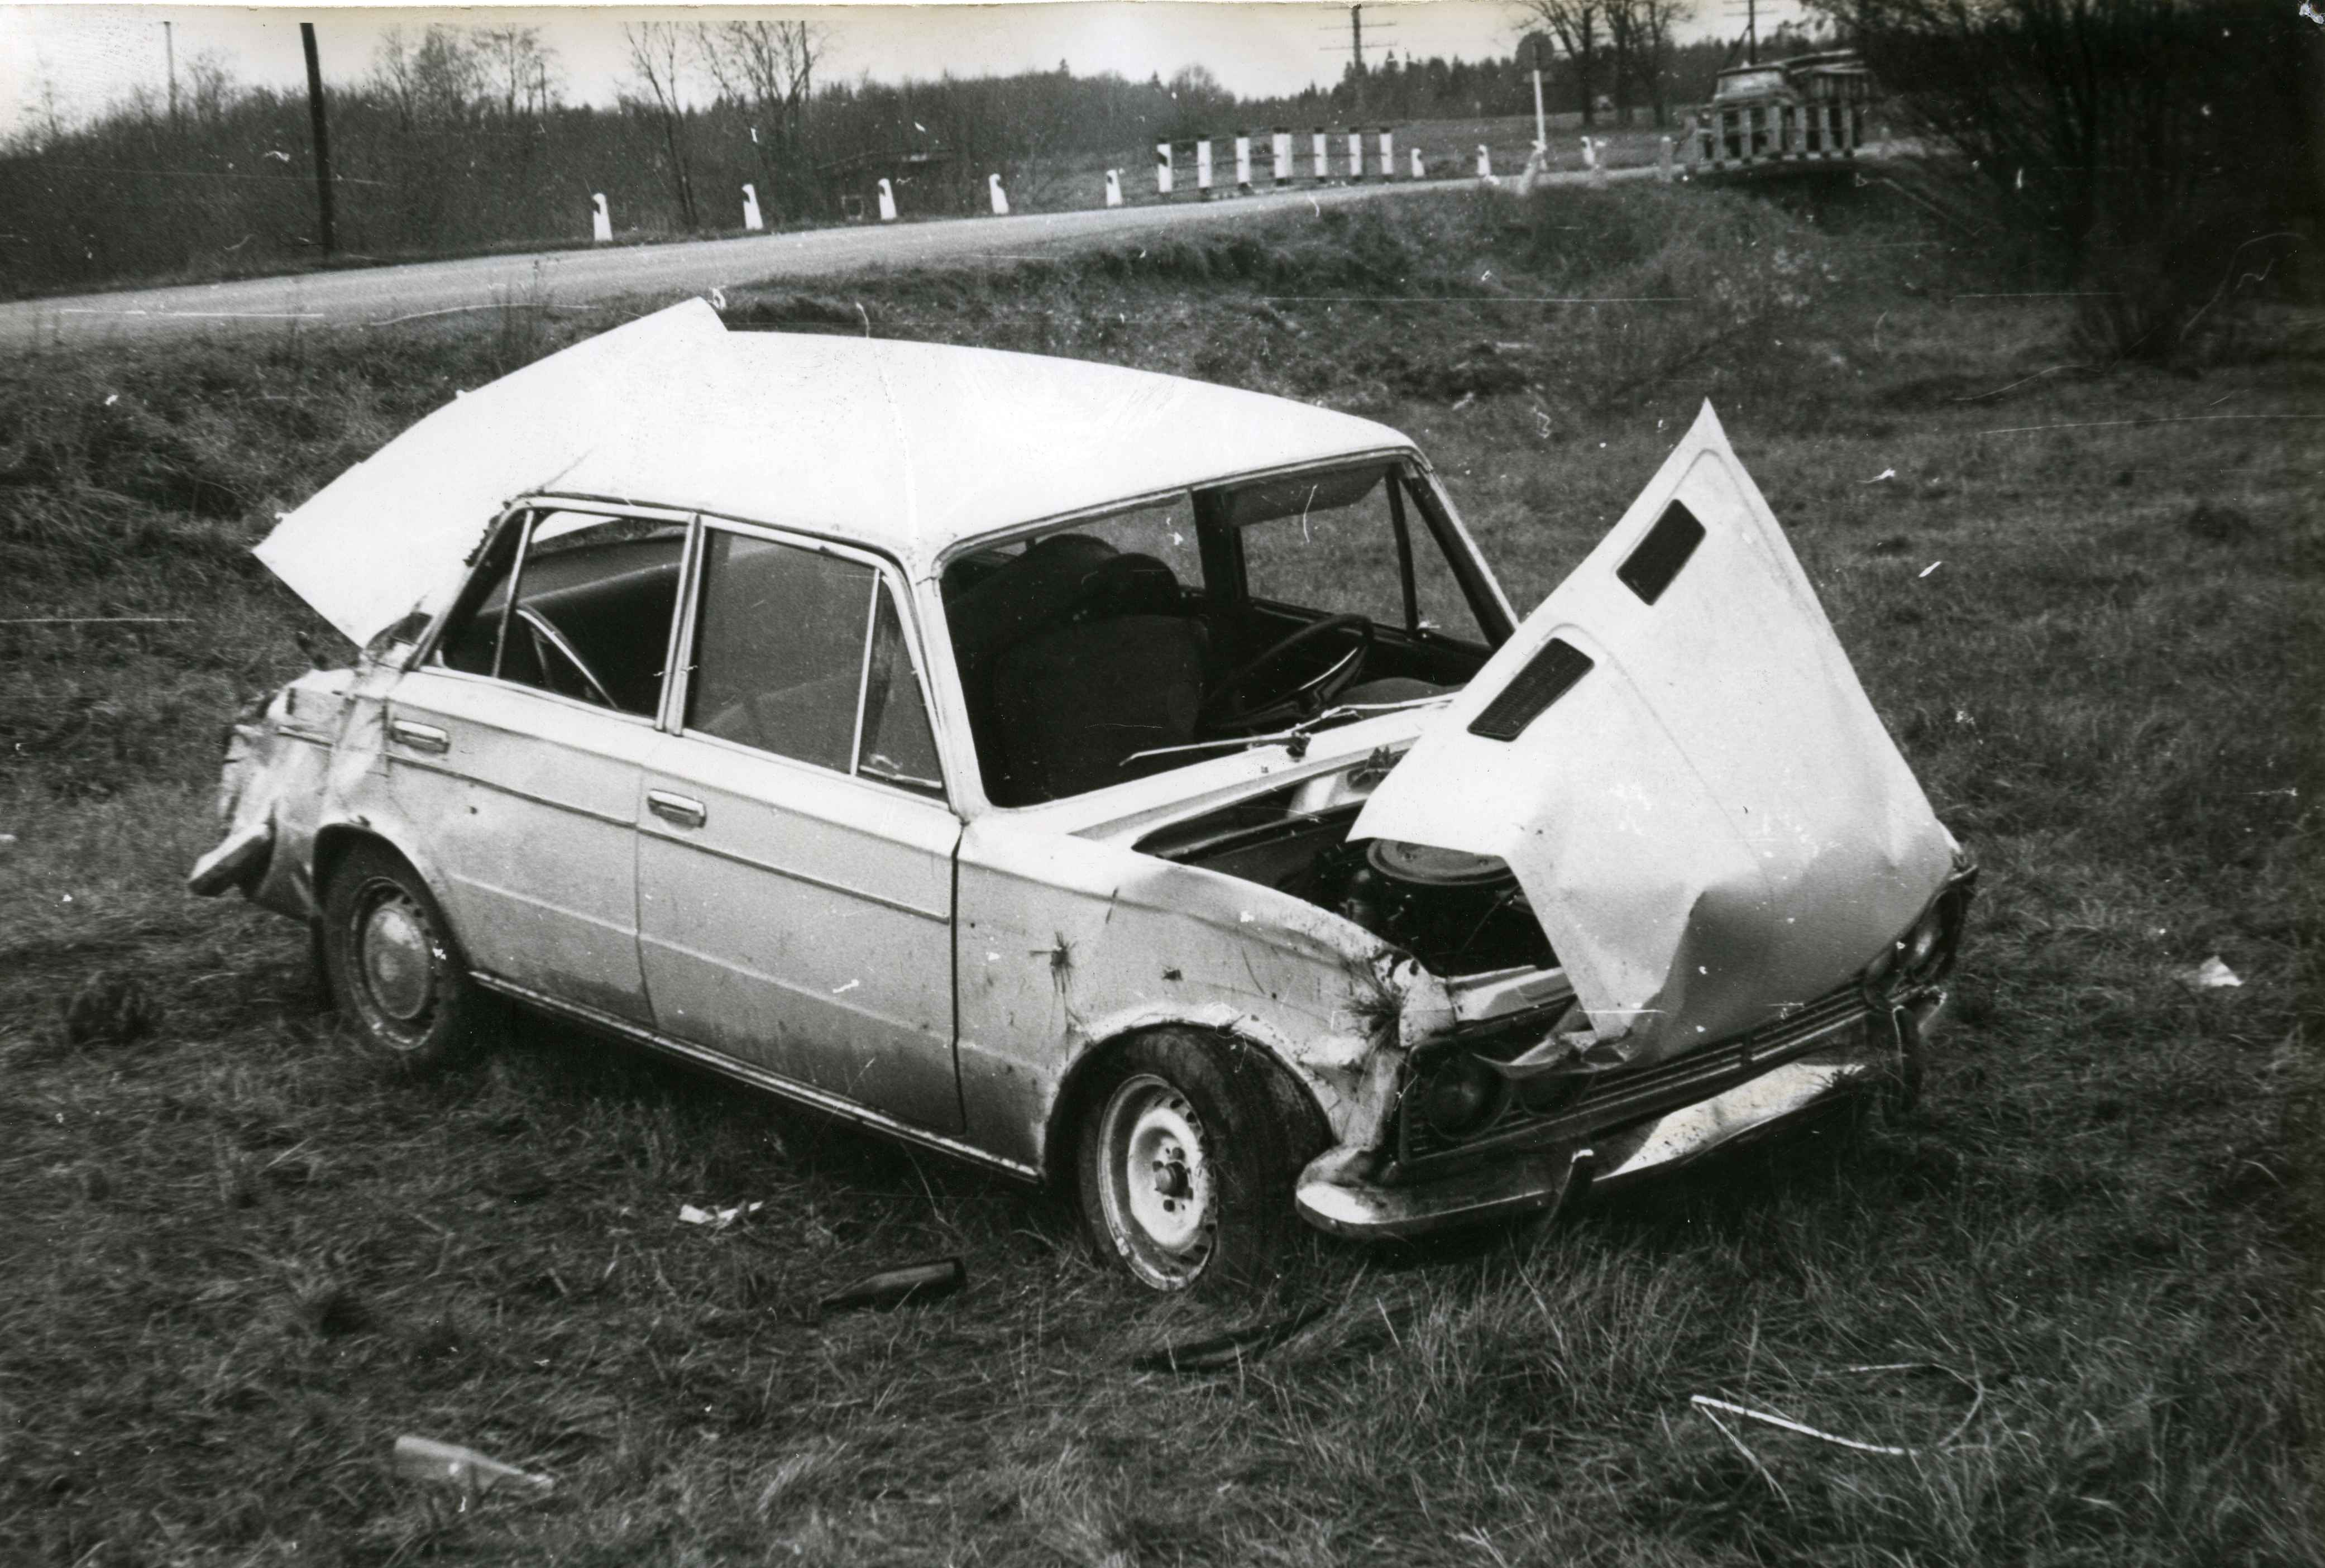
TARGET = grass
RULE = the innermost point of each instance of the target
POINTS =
(242, 1261)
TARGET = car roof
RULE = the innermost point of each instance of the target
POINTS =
(911, 447)
(906, 449)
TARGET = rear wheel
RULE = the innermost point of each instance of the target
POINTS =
(1188, 1153)
(394, 972)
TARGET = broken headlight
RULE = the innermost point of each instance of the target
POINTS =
(1461, 1095)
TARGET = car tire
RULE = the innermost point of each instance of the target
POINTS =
(395, 973)
(1189, 1147)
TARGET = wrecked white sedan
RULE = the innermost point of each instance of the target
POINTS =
(1102, 777)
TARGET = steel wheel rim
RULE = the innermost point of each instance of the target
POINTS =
(1156, 1184)
(395, 951)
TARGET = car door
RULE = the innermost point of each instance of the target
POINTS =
(795, 847)
(516, 749)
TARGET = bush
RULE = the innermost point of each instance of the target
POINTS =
(2156, 150)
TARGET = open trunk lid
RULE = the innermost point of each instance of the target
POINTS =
(1675, 757)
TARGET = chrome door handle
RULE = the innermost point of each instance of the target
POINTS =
(671, 807)
(418, 737)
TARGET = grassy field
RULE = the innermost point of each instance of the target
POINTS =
(240, 1261)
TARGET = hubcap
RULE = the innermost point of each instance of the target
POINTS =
(399, 966)
(1156, 1186)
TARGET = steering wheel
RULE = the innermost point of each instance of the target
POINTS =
(552, 653)
(1223, 712)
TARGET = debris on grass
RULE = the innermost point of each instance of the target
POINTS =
(424, 1458)
(1230, 1349)
(717, 1218)
(1707, 1404)
(1883, 474)
(2211, 975)
(895, 1287)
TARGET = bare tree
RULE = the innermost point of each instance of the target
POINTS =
(1656, 18)
(213, 83)
(519, 66)
(1575, 24)
(657, 50)
(432, 79)
(770, 67)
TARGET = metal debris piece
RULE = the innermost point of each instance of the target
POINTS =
(893, 1287)
(422, 1459)
(1229, 1349)
(1977, 1386)
(717, 1218)
(2212, 975)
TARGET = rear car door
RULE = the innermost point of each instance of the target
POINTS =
(795, 849)
(516, 748)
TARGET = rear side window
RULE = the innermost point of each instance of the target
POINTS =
(778, 648)
(590, 616)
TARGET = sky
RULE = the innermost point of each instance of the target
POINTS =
(93, 54)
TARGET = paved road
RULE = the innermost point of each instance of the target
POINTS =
(380, 296)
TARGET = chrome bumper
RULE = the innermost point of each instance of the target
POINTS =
(1339, 1192)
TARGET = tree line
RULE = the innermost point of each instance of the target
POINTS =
(461, 138)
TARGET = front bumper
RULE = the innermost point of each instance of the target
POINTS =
(1362, 1194)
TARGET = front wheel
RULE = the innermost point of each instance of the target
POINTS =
(394, 968)
(1187, 1159)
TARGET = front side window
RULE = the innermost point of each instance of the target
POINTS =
(803, 655)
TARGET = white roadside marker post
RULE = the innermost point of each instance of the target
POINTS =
(751, 219)
(601, 220)
(1321, 156)
(1387, 153)
(1203, 167)
(1484, 161)
(1161, 168)
(1243, 162)
(1420, 164)
(1283, 150)
(1356, 157)
(887, 202)
(1000, 197)
(1113, 188)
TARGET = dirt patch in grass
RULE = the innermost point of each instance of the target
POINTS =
(242, 1261)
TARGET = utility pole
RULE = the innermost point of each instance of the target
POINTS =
(170, 48)
(1357, 36)
(322, 133)
(1751, 33)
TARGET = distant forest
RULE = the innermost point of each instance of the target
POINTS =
(459, 139)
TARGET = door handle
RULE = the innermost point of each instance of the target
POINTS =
(679, 809)
(418, 737)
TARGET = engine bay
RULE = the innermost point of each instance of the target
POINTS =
(1458, 914)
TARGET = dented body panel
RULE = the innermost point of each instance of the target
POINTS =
(1710, 820)
(1746, 909)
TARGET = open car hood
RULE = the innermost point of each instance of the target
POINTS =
(1704, 811)
(374, 543)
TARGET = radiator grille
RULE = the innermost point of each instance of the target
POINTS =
(1628, 1094)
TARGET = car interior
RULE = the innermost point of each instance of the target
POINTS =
(1083, 662)
(1085, 659)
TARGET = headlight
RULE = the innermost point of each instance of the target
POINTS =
(1921, 944)
(1461, 1096)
